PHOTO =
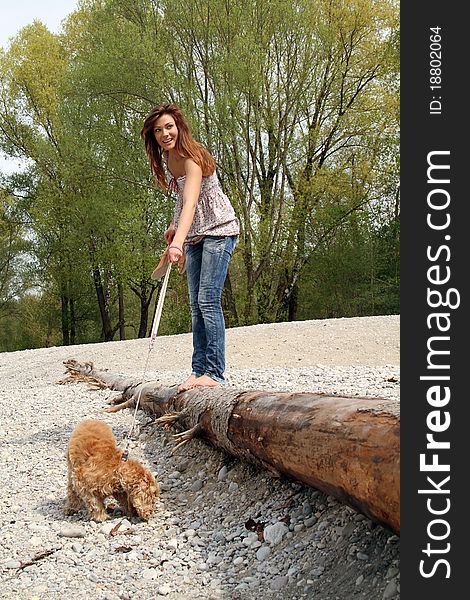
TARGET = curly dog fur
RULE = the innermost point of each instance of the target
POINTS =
(96, 471)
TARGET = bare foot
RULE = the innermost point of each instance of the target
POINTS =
(188, 384)
(193, 381)
(206, 381)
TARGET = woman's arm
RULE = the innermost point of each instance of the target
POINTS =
(192, 189)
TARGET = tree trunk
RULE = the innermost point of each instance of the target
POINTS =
(228, 303)
(64, 300)
(293, 302)
(144, 314)
(346, 447)
(108, 332)
(122, 327)
(144, 292)
(73, 321)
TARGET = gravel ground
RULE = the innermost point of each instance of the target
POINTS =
(202, 541)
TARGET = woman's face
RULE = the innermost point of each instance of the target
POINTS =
(166, 132)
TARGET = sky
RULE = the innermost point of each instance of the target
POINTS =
(15, 14)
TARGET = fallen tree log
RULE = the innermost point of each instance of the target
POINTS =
(346, 447)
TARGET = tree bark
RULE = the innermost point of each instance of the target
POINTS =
(228, 303)
(122, 320)
(64, 299)
(346, 447)
(108, 332)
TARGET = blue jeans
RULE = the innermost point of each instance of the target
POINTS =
(206, 267)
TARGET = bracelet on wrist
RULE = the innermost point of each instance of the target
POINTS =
(177, 247)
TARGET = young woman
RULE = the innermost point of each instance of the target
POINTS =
(204, 228)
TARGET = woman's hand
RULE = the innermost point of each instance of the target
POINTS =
(174, 253)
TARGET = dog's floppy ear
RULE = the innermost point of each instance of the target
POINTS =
(141, 488)
(144, 496)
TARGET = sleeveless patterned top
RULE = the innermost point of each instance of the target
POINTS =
(214, 213)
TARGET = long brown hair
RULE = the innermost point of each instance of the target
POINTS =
(186, 145)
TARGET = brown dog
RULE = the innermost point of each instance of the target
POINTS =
(96, 471)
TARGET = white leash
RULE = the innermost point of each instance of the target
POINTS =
(158, 312)
(153, 337)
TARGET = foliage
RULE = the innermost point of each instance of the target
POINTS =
(356, 273)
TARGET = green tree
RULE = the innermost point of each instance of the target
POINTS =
(294, 100)
(14, 273)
